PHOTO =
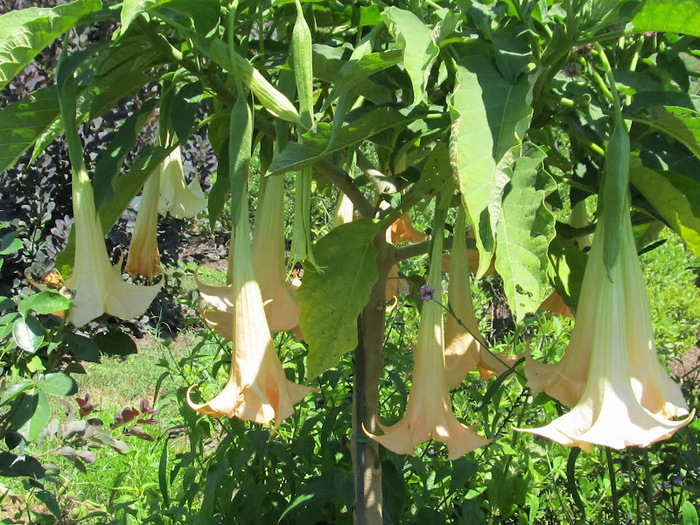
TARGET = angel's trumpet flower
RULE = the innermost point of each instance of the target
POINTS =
(176, 197)
(463, 350)
(278, 295)
(144, 258)
(402, 230)
(268, 253)
(257, 389)
(555, 305)
(98, 286)
(429, 410)
(344, 211)
(620, 394)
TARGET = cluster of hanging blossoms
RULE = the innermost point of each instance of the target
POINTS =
(610, 376)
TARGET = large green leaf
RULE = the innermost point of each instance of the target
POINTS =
(25, 32)
(332, 296)
(57, 384)
(418, 44)
(31, 413)
(674, 16)
(131, 9)
(675, 196)
(22, 123)
(317, 145)
(566, 269)
(44, 302)
(115, 73)
(489, 117)
(356, 71)
(682, 124)
(122, 143)
(523, 233)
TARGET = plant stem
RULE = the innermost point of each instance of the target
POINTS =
(368, 366)
(613, 486)
(648, 487)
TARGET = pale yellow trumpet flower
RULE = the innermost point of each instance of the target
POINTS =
(620, 394)
(463, 350)
(176, 196)
(96, 284)
(144, 258)
(279, 296)
(257, 389)
(270, 264)
(429, 410)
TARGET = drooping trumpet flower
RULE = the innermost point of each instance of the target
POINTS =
(429, 410)
(98, 286)
(257, 389)
(278, 295)
(344, 211)
(463, 351)
(620, 394)
(176, 196)
(402, 230)
(144, 257)
(270, 265)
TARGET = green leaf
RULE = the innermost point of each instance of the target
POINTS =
(115, 343)
(122, 143)
(28, 334)
(45, 302)
(523, 233)
(348, 270)
(489, 117)
(9, 243)
(31, 414)
(23, 122)
(14, 466)
(204, 14)
(689, 514)
(25, 32)
(131, 9)
(57, 384)
(184, 109)
(567, 265)
(681, 123)
(12, 391)
(418, 44)
(355, 72)
(673, 16)
(317, 145)
(675, 196)
(82, 347)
